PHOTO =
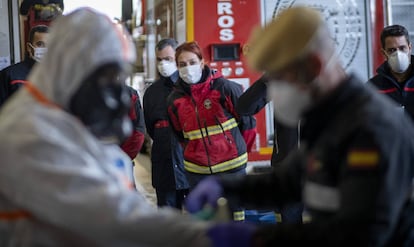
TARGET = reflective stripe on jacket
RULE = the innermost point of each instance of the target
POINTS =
(205, 121)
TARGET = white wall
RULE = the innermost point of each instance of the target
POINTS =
(113, 8)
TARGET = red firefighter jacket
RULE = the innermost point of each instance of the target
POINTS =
(203, 116)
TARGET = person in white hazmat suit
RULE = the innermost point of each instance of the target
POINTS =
(60, 185)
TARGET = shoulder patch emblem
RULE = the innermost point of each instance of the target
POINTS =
(207, 104)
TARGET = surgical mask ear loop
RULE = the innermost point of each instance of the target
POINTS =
(33, 49)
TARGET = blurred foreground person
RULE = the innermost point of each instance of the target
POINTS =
(354, 168)
(285, 137)
(133, 143)
(60, 185)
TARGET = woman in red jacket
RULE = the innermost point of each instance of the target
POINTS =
(202, 112)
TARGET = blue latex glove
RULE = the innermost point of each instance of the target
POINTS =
(232, 234)
(207, 192)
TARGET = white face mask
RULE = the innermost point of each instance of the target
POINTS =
(289, 102)
(166, 68)
(399, 61)
(191, 74)
(38, 53)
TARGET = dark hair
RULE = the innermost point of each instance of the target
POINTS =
(190, 47)
(166, 42)
(394, 31)
(37, 29)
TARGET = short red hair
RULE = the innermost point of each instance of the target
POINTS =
(189, 47)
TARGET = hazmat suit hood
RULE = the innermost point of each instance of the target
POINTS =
(75, 51)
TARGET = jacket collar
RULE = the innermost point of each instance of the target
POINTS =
(320, 115)
(385, 70)
(174, 77)
(208, 76)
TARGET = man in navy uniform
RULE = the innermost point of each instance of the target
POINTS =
(395, 77)
(168, 175)
(14, 76)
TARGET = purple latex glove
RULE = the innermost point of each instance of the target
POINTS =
(232, 234)
(208, 191)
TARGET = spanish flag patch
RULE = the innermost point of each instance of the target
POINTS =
(363, 158)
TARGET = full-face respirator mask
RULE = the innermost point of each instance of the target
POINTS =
(102, 104)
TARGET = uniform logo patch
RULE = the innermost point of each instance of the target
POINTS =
(358, 158)
(207, 104)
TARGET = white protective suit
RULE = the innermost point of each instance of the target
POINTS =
(59, 186)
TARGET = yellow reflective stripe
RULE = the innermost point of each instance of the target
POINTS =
(363, 158)
(238, 215)
(278, 217)
(220, 167)
(212, 130)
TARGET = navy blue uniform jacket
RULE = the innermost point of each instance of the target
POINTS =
(166, 153)
(401, 93)
(13, 77)
(353, 171)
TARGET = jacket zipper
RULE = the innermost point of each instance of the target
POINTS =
(222, 129)
(202, 135)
